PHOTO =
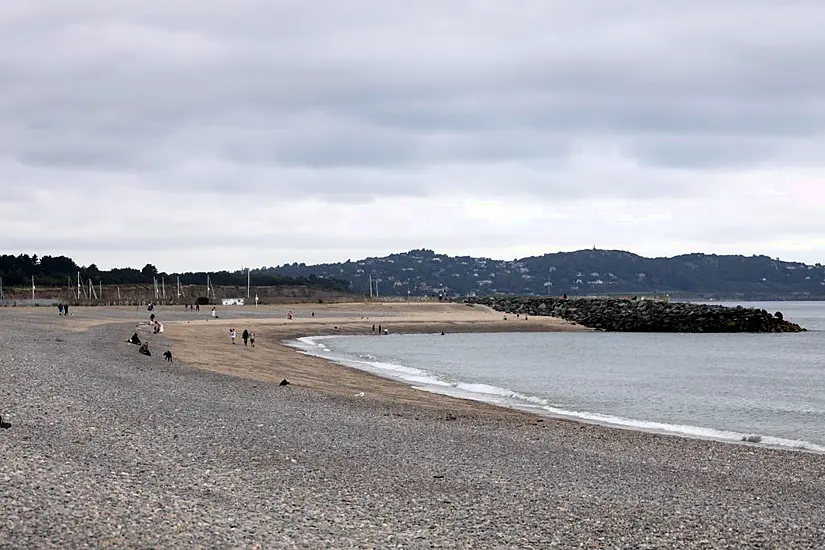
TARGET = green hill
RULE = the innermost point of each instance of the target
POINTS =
(580, 273)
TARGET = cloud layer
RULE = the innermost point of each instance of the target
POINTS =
(209, 135)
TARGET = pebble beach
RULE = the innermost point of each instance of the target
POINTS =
(109, 448)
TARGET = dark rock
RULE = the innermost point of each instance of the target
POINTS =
(640, 315)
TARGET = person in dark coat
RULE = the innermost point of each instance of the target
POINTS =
(144, 349)
(245, 336)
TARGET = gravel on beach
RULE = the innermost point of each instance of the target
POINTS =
(111, 448)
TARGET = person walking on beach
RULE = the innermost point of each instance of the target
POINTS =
(232, 335)
(214, 313)
(245, 336)
(65, 309)
(197, 307)
(252, 339)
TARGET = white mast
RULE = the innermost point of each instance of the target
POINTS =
(32, 289)
(248, 279)
(163, 285)
(370, 285)
(210, 287)
(78, 285)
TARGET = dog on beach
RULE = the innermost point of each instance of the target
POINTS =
(167, 355)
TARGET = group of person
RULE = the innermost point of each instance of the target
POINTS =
(157, 326)
(247, 337)
(62, 309)
(144, 348)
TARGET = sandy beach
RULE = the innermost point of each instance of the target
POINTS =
(203, 343)
(109, 448)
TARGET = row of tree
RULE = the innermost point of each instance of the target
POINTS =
(62, 270)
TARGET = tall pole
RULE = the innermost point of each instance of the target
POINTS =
(248, 279)
(163, 285)
(370, 285)
(32, 289)
(78, 285)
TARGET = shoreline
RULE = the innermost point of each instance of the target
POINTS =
(593, 419)
(343, 379)
(200, 342)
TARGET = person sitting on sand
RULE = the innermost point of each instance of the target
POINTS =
(134, 339)
(144, 349)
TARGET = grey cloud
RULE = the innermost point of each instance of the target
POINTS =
(402, 88)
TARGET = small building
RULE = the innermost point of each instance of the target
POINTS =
(232, 301)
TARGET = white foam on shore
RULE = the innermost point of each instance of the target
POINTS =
(425, 381)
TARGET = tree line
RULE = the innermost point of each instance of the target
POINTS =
(57, 271)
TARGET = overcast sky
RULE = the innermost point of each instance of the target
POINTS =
(215, 134)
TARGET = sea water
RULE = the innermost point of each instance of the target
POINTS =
(720, 386)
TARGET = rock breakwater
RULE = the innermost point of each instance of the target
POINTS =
(626, 315)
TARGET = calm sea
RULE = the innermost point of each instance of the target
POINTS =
(720, 386)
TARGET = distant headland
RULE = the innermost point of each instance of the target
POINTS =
(425, 273)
